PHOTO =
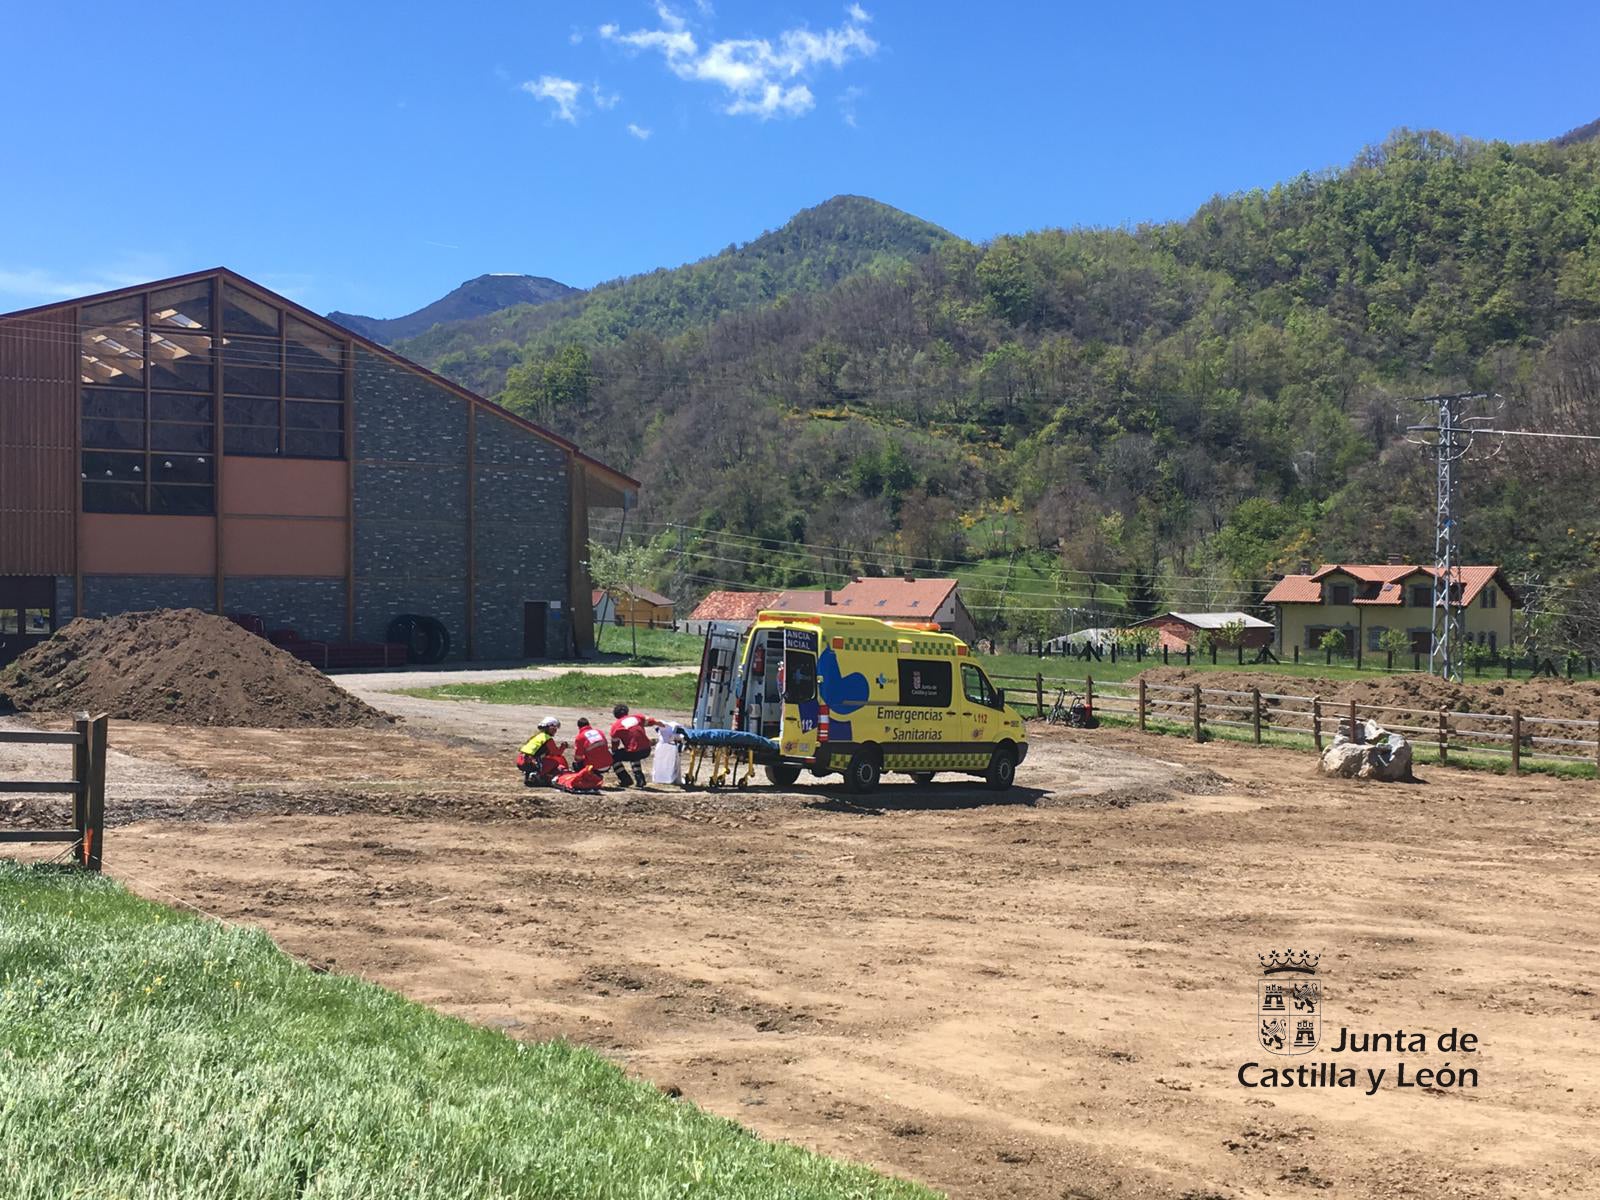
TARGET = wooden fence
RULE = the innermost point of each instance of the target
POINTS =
(87, 787)
(1255, 715)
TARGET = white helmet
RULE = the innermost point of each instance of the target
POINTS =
(550, 723)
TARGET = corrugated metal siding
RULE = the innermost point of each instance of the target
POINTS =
(38, 439)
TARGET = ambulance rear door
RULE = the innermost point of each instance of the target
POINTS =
(801, 702)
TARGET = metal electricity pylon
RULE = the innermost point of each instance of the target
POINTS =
(1451, 437)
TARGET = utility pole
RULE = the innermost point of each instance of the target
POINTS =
(1451, 438)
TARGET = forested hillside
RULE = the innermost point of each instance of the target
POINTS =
(812, 252)
(1173, 411)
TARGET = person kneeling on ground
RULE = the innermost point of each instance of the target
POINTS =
(630, 744)
(540, 760)
(590, 748)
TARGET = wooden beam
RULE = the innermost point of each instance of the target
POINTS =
(349, 490)
(472, 530)
(217, 435)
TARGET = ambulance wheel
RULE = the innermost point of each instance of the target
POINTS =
(862, 773)
(782, 774)
(922, 778)
(1002, 772)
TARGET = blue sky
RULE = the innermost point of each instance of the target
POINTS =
(371, 157)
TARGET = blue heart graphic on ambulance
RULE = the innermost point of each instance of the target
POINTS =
(843, 694)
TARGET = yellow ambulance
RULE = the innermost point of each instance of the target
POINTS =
(859, 697)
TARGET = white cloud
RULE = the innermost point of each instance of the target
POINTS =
(563, 93)
(774, 100)
(28, 286)
(605, 101)
(575, 37)
(763, 77)
(847, 104)
(639, 131)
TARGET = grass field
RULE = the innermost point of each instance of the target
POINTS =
(1126, 667)
(145, 1053)
(579, 689)
(657, 647)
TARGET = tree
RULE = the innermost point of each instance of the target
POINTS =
(613, 570)
(1394, 641)
(1332, 643)
(547, 388)
(1231, 633)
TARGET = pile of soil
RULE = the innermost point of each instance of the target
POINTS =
(1578, 700)
(177, 667)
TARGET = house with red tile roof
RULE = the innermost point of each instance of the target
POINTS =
(1365, 600)
(737, 609)
(890, 598)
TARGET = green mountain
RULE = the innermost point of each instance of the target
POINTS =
(474, 298)
(814, 251)
(1175, 411)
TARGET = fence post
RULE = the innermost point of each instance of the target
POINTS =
(95, 826)
(1038, 692)
(1213, 654)
(80, 776)
(1141, 704)
(1187, 652)
(1444, 736)
(1255, 712)
(1164, 659)
(1353, 736)
(1198, 734)
(1516, 741)
(1088, 693)
(1113, 652)
(1316, 722)
(1297, 654)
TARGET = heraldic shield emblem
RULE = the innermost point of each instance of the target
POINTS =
(1289, 1002)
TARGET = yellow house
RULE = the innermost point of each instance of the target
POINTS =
(1365, 600)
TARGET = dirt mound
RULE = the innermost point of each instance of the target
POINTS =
(177, 667)
(1578, 700)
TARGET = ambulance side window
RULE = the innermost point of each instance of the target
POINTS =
(799, 677)
(976, 687)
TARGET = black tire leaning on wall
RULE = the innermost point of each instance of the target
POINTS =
(425, 638)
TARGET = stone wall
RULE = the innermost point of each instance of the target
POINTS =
(522, 534)
(411, 497)
(313, 608)
(105, 595)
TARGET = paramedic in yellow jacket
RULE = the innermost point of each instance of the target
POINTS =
(540, 758)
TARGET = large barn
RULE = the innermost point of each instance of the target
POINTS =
(202, 442)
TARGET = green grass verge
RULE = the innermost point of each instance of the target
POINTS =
(148, 1054)
(579, 689)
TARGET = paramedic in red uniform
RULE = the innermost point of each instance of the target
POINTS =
(630, 743)
(590, 748)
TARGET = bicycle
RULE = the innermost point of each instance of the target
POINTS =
(1071, 711)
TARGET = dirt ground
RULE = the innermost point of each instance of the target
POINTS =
(1043, 994)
